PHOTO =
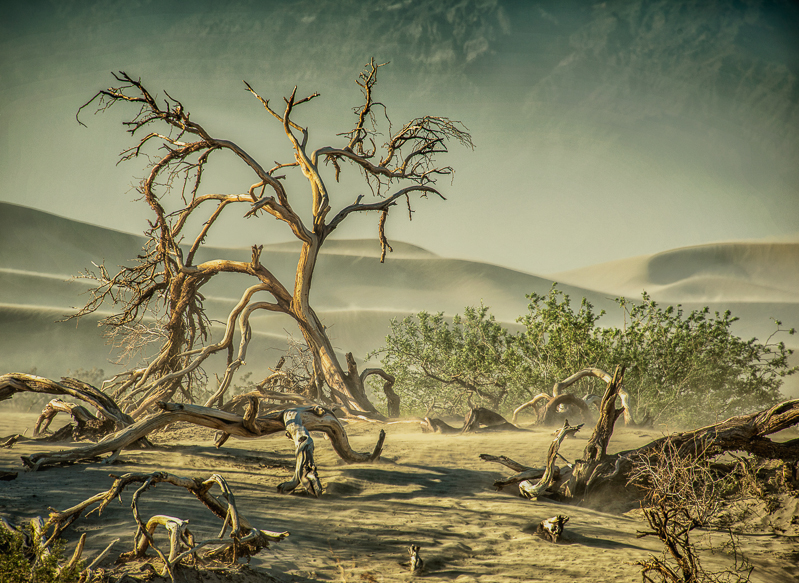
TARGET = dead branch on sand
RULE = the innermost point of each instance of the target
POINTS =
(13, 383)
(552, 404)
(477, 419)
(298, 422)
(597, 470)
(245, 540)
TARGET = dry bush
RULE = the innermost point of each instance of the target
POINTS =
(680, 495)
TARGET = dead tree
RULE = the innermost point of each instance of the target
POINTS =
(585, 469)
(13, 383)
(551, 403)
(245, 540)
(297, 423)
(167, 279)
(530, 490)
(477, 419)
(531, 481)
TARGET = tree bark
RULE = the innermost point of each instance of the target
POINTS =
(12, 383)
(312, 418)
(87, 426)
(595, 450)
(530, 490)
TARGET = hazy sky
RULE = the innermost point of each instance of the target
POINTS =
(603, 130)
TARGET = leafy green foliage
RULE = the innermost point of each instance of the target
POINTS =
(449, 364)
(558, 341)
(21, 563)
(692, 367)
(684, 367)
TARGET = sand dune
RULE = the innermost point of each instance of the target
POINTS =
(356, 296)
(737, 272)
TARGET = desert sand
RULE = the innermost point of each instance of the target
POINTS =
(429, 490)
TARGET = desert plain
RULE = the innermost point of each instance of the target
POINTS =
(428, 490)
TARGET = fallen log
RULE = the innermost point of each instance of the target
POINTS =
(477, 419)
(530, 490)
(13, 383)
(250, 426)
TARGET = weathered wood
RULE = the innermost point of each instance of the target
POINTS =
(551, 529)
(12, 383)
(505, 461)
(530, 490)
(305, 472)
(246, 540)
(87, 426)
(535, 402)
(523, 472)
(596, 449)
(392, 398)
(416, 563)
(548, 415)
(313, 419)
(551, 403)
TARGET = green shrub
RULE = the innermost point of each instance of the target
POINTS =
(683, 367)
(23, 563)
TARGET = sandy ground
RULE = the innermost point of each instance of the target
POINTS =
(433, 491)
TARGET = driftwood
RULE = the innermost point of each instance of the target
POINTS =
(477, 419)
(527, 474)
(530, 490)
(245, 539)
(86, 426)
(551, 529)
(12, 383)
(522, 472)
(248, 426)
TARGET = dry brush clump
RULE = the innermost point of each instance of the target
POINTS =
(39, 545)
(680, 495)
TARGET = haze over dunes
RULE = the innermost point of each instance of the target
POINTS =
(354, 294)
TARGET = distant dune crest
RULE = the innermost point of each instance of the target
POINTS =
(739, 271)
(355, 295)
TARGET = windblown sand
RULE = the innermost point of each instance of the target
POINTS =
(430, 490)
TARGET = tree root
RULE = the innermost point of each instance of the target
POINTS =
(477, 419)
(297, 422)
(245, 539)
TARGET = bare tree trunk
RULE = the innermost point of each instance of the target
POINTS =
(12, 383)
(596, 449)
(392, 398)
(249, 426)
